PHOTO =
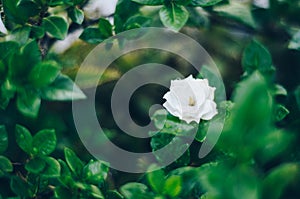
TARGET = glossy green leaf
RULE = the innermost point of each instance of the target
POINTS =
(65, 174)
(95, 171)
(204, 3)
(92, 35)
(44, 73)
(105, 28)
(76, 15)
(20, 187)
(12, 11)
(173, 16)
(3, 139)
(74, 163)
(62, 89)
(136, 190)
(149, 2)
(156, 179)
(28, 103)
(24, 138)
(35, 165)
(56, 26)
(37, 32)
(172, 186)
(51, 169)
(5, 166)
(256, 57)
(44, 142)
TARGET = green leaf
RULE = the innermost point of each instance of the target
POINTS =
(23, 138)
(63, 89)
(137, 21)
(65, 174)
(74, 163)
(280, 112)
(105, 28)
(37, 32)
(95, 171)
(35, 165)
(20, 35)
(149, 2)
(5, 166)
(51, 169)
(56, 26)
(20, 187)
(156, 179)
(28, 103)
(114, 195)
(12, 12)
(135, 190)
(7, 48)
(256, 57)
(91, 35)
(61, 192)
(76, 15)
(28, 8)
(204, 3)
(173, 16)
(295, 41)
(44, 142)
(44, 73)
(173, 186)
(3, 139)
(54, 3)
(297, 95)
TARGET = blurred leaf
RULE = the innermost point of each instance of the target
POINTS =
(173, 16)
(44, 73)
(52, 168)
(137, 21)
(256, 57)
(7, 48)
(74, 163)
(5, 166)
(295, 41)
(28, 103)
(62, 89)
(204, 3)
(35, 165)
(61, 192)
(65, 174)
(95, 171)
(20, 187)
(3, 139)
(76, 15)
(136, 190)
(149, 2)
(280, 90)
(297, 94)
(44, 142)
(114, 195)
(91, 35)
(12, 12)
(105, 28)
(279, 179)
(37, 32)
(24, 138)
(28, 8)
(156, 179)
(56, 26)
(280, 112)
(172, 186)
(20, 35)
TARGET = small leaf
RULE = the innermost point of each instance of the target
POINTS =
(7, 48)
(281, 112)
(105, 28)
(173, 186)
(20, 35)
(136, 190)
(114, 195)
(156, 180)
(91, 35)
(137, 21)
(28, 103)
(44, 73)
(174, 16)
(149, 2)
(204, 3)
(63, 89)
(52, 168)
(24, 138)
(95, 171)
(35, 165)
(74, 163)
(76, 15)
(5, 166)
(65, 174)
(20, 187)
(37, 32)
(56, 26)
(44, 142)
(3, 139)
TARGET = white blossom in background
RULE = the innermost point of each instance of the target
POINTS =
(191, 99)
(99, 8)
(2, 27)
(262, 3)
(63, 45)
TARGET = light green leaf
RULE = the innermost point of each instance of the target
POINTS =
(95, 171)
(51, 169)
(136, 190)
(62, 89)
(44, 73)
(35, 165)
(24, 138)
(156, 179)
(76, 15)
(173, 16)
(173, 186)
(44, 142)
(28, 103)
(56, 26)
(105, 28)
(3, 139)
(5, 166)
(149, 2)
(74, 163)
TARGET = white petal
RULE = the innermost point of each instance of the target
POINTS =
(209, 110)
(2, 27)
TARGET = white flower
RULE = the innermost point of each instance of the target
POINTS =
(95, 9)
(191, 99)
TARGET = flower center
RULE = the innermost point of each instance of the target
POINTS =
(192, 102)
